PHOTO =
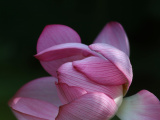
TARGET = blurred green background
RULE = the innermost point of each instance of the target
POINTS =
(21, 23)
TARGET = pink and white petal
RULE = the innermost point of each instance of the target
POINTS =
(56, 34)
(53, 57)
(102, 71)
(69, 93)
(114, 34)
(69, 75)
(118, 58)
(91, 106)
(33, 107)
(42, 89)
(141, 106)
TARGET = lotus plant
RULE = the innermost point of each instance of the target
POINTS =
(86, 82)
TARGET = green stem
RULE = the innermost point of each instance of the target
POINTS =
(115, 118)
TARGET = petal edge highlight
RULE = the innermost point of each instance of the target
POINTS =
(42, 89)
(34, 108)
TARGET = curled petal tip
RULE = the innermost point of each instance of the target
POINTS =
(56, 34)
(114, 34)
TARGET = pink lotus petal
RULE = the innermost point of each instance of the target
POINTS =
(23, 116)
(53, 57)
(52, 66)
(69, 93)
(56, 34)
(118, 58)
(100, 70)
(91, 106)
(33, 107)
(41, 89)
(141, 106)
(63, 51)
(114, 34)
(68, 74)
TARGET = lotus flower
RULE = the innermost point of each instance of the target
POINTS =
(86, 83)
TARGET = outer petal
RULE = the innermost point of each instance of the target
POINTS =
(100, 70)
(41, 89)
(63, 51)
(22, 116)
(141, 106)
(114, 34)
(68, 74)
(53, 57)
(92, 106)
(56, 34)
(32, 109)
(118, 58)
(69, 93)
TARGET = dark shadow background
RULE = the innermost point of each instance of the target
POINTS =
(21, 23)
